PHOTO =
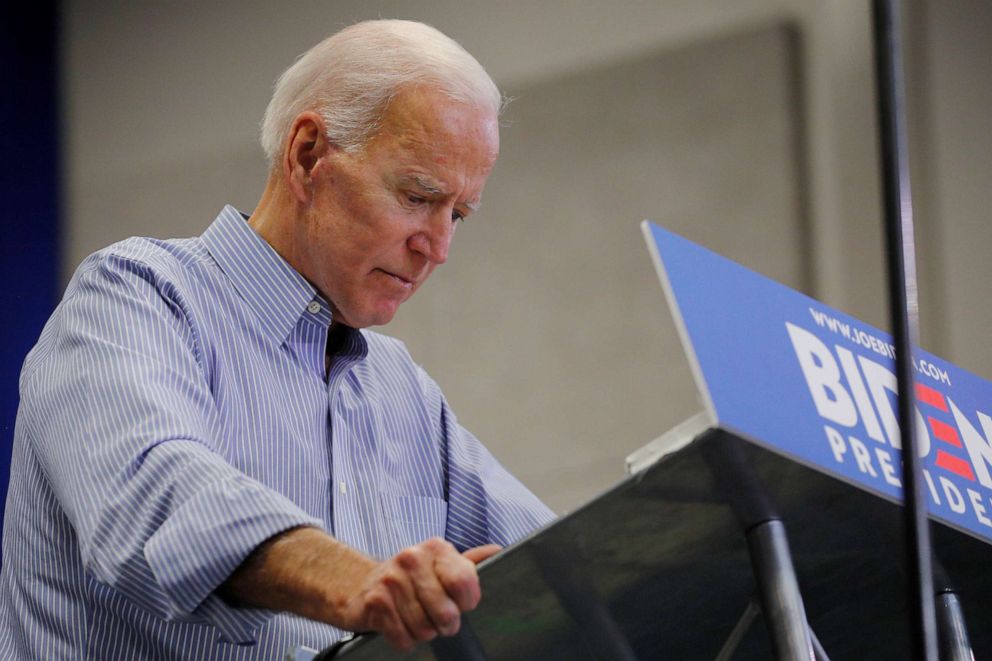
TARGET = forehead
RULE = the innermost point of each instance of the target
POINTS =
(425, 122)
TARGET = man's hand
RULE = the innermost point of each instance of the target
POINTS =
(418, 594)
(413, 597)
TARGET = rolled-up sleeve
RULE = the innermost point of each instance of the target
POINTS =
(120, 415)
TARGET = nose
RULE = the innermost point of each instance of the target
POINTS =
(434, 238)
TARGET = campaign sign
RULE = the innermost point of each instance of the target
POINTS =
(805, 380)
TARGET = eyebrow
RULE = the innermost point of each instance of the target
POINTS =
(431, 188)
(426, 185)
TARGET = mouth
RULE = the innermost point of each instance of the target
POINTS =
(398, 279)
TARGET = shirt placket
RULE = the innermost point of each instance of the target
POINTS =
(308, 343)
(357, 511)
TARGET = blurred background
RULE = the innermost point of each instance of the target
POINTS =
(745, 125)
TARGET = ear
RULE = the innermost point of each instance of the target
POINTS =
(305, 145)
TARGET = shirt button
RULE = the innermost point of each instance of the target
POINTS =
(343, 488)
(314, 307)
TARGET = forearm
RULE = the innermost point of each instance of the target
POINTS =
(303, 571)
(412, 597)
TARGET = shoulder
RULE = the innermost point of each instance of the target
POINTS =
(155, 260)
(125, 298)
(122, 293)
(168, 275)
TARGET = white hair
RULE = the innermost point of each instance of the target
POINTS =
(350, 78)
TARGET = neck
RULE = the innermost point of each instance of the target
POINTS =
(275, 219)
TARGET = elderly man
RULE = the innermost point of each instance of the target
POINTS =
(211, 459)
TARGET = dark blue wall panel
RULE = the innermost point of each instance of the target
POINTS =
(29, 193)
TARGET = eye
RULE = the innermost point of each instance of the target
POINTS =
(457, 216)
(415, 199)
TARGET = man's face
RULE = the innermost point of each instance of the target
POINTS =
(382, 218)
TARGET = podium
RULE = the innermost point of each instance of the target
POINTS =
(772, 520)
(659, 568)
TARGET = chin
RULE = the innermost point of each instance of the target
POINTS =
(370, 318)
(383, 319)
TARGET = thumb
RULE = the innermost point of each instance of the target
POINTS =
(480, 553)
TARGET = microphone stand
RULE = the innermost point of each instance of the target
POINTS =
(904, 309)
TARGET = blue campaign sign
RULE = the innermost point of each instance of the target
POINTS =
(796, 376)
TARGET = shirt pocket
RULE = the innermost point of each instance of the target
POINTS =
(414, 519)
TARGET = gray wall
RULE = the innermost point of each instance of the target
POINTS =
(747, 126)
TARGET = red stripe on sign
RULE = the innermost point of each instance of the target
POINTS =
(955, 465)
(944, 432)
(928, 395)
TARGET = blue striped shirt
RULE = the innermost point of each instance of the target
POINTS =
(176, 413)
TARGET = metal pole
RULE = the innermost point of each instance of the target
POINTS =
(898, 213)
(954, 643)
(778, 589)
(768, 546)
(726, 652)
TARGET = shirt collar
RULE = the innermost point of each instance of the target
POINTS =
(277, 294)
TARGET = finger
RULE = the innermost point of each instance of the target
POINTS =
(384, 618)
(413, 570)
(438, 606)
(480, 553)
(459, 579)
(397, 635)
